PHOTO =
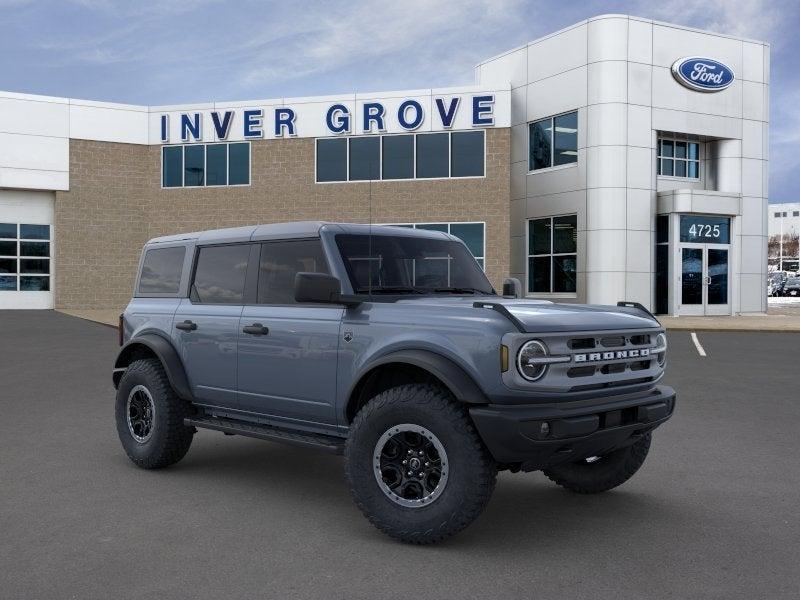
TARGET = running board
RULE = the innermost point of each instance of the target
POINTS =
(327, 443)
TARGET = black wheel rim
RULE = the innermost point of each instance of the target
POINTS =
(140, 413)
(410, 465)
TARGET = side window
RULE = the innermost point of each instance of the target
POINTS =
(161, 270)
(220, 274)
(280, 262)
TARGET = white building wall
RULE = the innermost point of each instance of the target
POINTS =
(615, 71)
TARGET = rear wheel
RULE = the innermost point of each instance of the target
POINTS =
(601, 473)
(415, 465)
(150, 415)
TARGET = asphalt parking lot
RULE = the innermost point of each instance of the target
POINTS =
(712, 514)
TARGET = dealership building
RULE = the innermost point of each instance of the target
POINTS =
(617, 159)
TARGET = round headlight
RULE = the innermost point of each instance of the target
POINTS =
(661, 348)
(527, 360)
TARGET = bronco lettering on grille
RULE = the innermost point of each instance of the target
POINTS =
(616, 355)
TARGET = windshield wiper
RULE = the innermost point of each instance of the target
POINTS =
(459, 290)
(389, 289)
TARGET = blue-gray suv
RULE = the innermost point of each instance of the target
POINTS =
(390, 346)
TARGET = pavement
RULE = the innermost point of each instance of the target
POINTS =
(711, 514)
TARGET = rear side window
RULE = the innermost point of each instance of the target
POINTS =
(280, 262)
(220, 274)
(161, 270)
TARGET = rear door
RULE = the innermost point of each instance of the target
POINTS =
(206, 325)
(288, 352)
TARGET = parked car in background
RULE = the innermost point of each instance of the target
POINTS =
(791, 287)
(775, 283)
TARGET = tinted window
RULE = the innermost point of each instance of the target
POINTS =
(466, 154)
(8, 248)
(8, 230)
(398, 264)
(34, 248)
(398, 157)
(34, 284)
(217, 164)
(161, 271)
(540, 149)
(332, 160)
(8, 265)
(662, 229)
(539, 274)
(172, 166)
(34, 232)
(471, 234)
(365, 158)
(34, 265)
(8, 283)
(239, 164)
(220, 274)
(565, 234)
(195, 166)
(565, 139)
(539, 236)
(280, 262)
(564, 273)
(433, 155)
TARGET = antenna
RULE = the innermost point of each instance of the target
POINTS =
(369, 252)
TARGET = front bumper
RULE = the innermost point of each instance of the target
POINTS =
(541, 436)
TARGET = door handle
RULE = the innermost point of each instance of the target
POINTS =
(256, 329)
(187, 325)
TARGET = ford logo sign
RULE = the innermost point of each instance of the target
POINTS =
(702, 74)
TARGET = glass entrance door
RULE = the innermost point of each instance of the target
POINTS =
(704, 282)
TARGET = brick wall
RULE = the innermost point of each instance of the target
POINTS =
(115, 204)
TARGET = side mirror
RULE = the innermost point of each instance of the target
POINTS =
(512, 287)
(320, 288)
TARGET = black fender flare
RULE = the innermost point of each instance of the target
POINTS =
(458, 381)
(165, 352)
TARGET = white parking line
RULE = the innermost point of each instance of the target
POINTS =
(697, 345)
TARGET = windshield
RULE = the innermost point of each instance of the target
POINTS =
(407, 265)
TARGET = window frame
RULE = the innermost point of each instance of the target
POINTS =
(661, 137)
(227, 145)
(552, 119)
(414, 135)
(18, 257)
(551, 254)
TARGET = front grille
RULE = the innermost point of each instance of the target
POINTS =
(601, 360)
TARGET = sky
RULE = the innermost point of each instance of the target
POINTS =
(166, 52)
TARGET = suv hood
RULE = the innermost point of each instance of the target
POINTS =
(540, 316)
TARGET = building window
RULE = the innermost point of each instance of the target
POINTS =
(553, 141)
(24, 257)
(777, 215)
(796, 213)
(678, 158)
(553, 255)
(662, 264)
(200, 165)
(397, 157)
(472, 234)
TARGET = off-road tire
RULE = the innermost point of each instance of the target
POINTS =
(472, 471)
(608, 472)
(170, 438)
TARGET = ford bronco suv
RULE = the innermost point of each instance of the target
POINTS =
(390, 346)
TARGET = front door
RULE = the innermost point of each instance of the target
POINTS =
(288, 352)
(705, 280)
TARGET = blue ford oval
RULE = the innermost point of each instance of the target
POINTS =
(702, 74)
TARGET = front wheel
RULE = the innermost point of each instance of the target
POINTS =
(601, 473)
(416, 466)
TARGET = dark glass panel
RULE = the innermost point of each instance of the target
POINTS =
(220, 274)
(717, 276)
(566, 139)
(540, 141)
(332, 159)
(172, 167)
(471, 234)
(432, 155)
(34, 265)
(8, 265)
(565, 232)
(34, 248)
(539, 236)
(365, 158)
(564, 273)
(466, 154)
(8, 230)
(692, 276)
(398, 157)
(281, 262)
(539, 274)
(217, 164)
(34, 232)
(34, 284)
(239, 164)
